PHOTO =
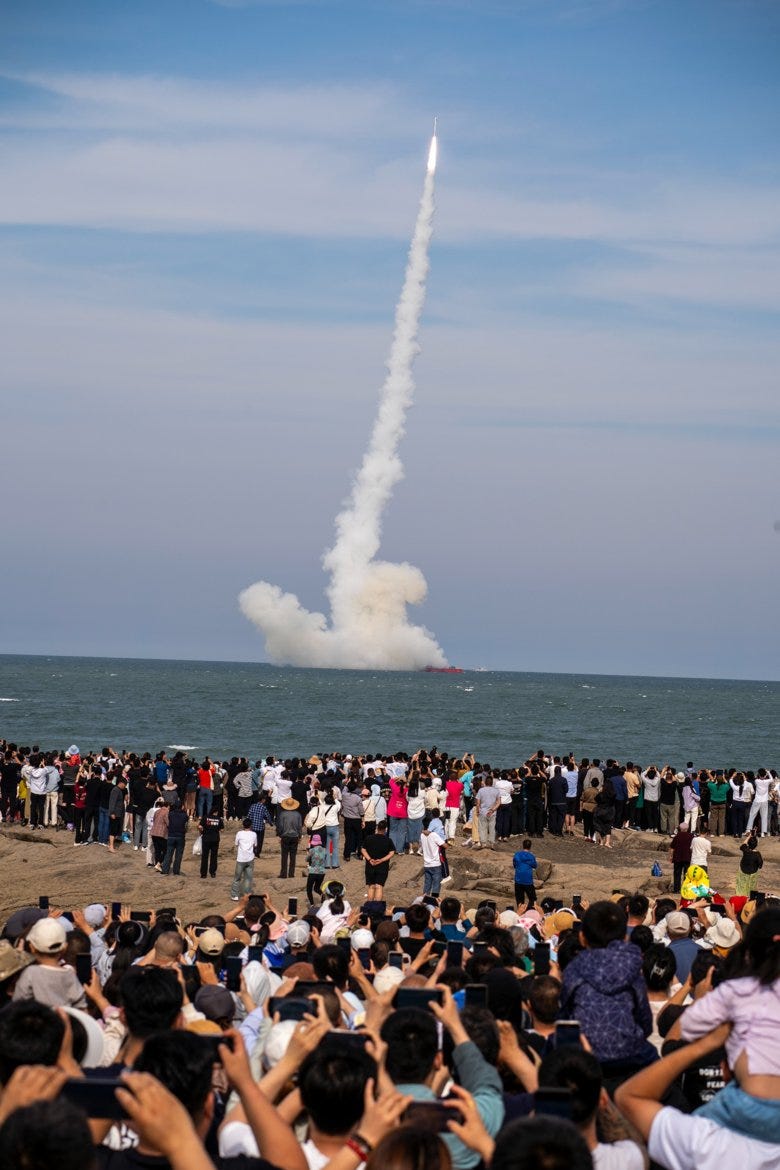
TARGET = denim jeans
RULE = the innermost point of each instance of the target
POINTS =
(242, 878)
(103, 826)
(140, 830)
(332, 836)
(203, 802)
(432, 875)
(173, 853)
(397, 832)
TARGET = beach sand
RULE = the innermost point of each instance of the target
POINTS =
(47, 863)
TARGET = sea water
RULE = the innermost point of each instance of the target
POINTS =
(223, 709)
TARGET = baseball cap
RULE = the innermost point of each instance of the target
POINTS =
(362, 939)
(22, 920)
(298, 934)
(95, 915)
(678, 923)
(47, 937)
(508, 918)
(387, 977)
(215, 1002)
(211, 942)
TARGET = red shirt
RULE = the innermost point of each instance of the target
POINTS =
(204, 777)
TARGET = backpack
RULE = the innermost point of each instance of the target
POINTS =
(656, 870)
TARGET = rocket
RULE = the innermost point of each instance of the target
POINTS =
(433, 150)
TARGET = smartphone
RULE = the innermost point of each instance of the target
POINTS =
(760, 897)
(306, 987)
(431, 1115)
(341, 1038)
(292, 907)
(43, 902)
(454, 954)
(553, 1102)
(489, 903)
(254, 954)
(290, 1008)
(438, 948)
(199, 930)
(365, 957)
(84, 968)
(476, 995)
(418, 997)
(345, 944)
(396, 959)
(140, 916)
(479, 946)
(541, 958)
(233, 965)
(567, 1032)
(576, 902)
(96, 1096)
(67, 914)
(116, 910)
(214, 1042)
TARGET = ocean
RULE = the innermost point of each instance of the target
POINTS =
(254, 709)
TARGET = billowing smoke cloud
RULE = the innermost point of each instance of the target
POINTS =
(369, 626)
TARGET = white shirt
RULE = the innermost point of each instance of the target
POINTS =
(680, 1141)
(246, 839)
(700, 850)
(505, 788)
(431, 844)
(331, 922)
(617, 1156)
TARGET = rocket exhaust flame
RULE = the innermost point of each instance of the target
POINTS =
(369, 626)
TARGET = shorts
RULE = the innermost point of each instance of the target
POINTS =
(572, 806)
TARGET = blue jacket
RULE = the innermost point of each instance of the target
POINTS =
(603, 988)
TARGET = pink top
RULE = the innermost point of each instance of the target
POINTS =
(454, 793)
(396, 805)
(754, 1011)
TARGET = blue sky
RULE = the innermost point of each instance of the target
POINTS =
(204, 215)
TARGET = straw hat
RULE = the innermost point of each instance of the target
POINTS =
(560, 920)
(290, 804)
(12, 960)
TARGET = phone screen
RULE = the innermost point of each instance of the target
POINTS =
(345, 944)
(541, 956)
(431, 1115)
(96, 1096)
(396, 959)
(84, 968)
(116, 910)
(43, 902)
(576, 901)
(567, 1032)
(292, 907)
(476, 995)
(254, 954)
(454, 954)
(418, 997)
(289, 1008)
(233, 967)
(365, 958)
(140, 916)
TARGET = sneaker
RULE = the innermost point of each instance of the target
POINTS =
(232, 899)
(134, 847)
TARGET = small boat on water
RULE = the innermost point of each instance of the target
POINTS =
(444, 670)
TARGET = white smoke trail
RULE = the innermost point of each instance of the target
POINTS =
(369, 625)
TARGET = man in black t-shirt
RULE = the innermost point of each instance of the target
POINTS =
(211, 826)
